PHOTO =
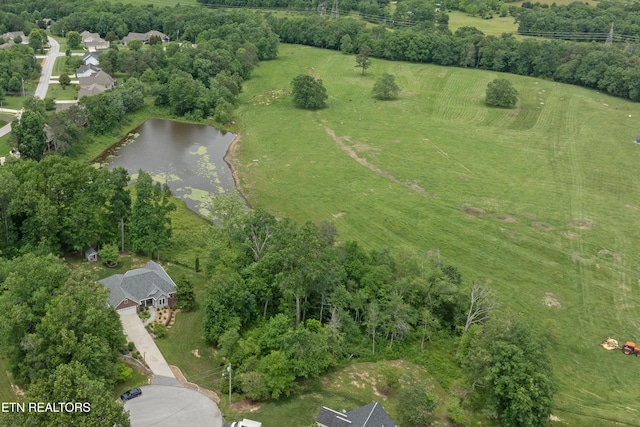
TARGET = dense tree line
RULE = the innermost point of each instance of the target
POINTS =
(17, 63)
(61, 341)
(612, 69)
(580, 18)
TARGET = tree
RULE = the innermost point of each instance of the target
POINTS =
(308, 92)
(29, 135)
(135, 45)
(417, 402)
(362, 58)
(36, 40)
(185, 295)
(277, 374)
(109, 254)
(346, 45)
(73, 39)
(385, 88)
(64, 80)
(500, 93)
(150, 221)
(481, 305)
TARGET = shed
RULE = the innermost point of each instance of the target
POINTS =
(91, 255)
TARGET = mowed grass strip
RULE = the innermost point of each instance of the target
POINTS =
(540, 202)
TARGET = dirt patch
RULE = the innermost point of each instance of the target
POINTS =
(351, 152)
(570, 235)
(474, 211)
(359, 148)
(631, 207)
(16, 390)
(554, 418)
(210, 394)
(582, 224)
(542, 226)
(338, 215)
(613, 255)
(503, 217)
(245, 406)
(196, 353)
(550, 300)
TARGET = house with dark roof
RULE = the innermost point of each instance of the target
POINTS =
(145, 37)
(87, 70)
(99, 78)
(149, 286)
(371, 415)
(9, 39)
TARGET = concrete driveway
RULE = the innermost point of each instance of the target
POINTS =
(166, 406)
(135, 331)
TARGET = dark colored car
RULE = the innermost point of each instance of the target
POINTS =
(130, 394)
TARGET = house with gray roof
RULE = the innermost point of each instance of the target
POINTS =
(99, 78)
(87, 70)
(149, 286)
(145, 37)
(93, 41)
(9, 39)
(371, 415)
(91, 58)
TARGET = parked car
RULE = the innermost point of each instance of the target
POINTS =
(130, 394)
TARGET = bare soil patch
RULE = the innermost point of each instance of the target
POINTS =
(245, 406)
(478, 212)
(614, 255)
(550, 300)
(631, 207)
(196, 353)
(351, 152)
(570, 235)
(542, 226)
(582, 224)
(503, 217)
(338, 215)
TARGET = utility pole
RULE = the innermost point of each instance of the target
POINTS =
(23, 87)
(609, 40)
(229, 371)
(335, 12)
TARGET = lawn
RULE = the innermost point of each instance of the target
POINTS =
(55, 91)
(494, 26)
(540, 202)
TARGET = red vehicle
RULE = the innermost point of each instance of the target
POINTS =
(631, 348)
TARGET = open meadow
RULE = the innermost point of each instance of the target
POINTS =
(540, 202)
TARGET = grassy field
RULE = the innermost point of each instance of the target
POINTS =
(540, 202)
(55, 91)
(494, 26)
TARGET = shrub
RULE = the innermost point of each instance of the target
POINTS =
(131, 345)
(125, 373)
(417, 402)
(160, 330)
(500, 93)
(455, 413)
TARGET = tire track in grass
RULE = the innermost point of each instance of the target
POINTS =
(456, 107)
(577, 199)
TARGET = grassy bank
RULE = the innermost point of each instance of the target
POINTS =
(539, 201)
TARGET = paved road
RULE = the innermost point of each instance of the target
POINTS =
(47, 68)
(165, 406)
(136, 332)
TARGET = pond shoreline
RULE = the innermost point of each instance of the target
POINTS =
(229, 158)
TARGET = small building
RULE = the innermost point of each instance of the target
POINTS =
(149, 286)
(91, 255)
(371, 415)
(93, 89)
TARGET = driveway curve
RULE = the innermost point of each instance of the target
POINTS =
(135, 331)
(166, 406)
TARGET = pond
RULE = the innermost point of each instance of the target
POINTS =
(188, 157)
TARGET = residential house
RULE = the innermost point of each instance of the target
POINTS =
(87, 70)
(100, 78)
(93, 41)
(149, 286)
(371, 415)
(92, 89)
(9, 39)
(91, 58)
(95, 84)
(145, 37)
